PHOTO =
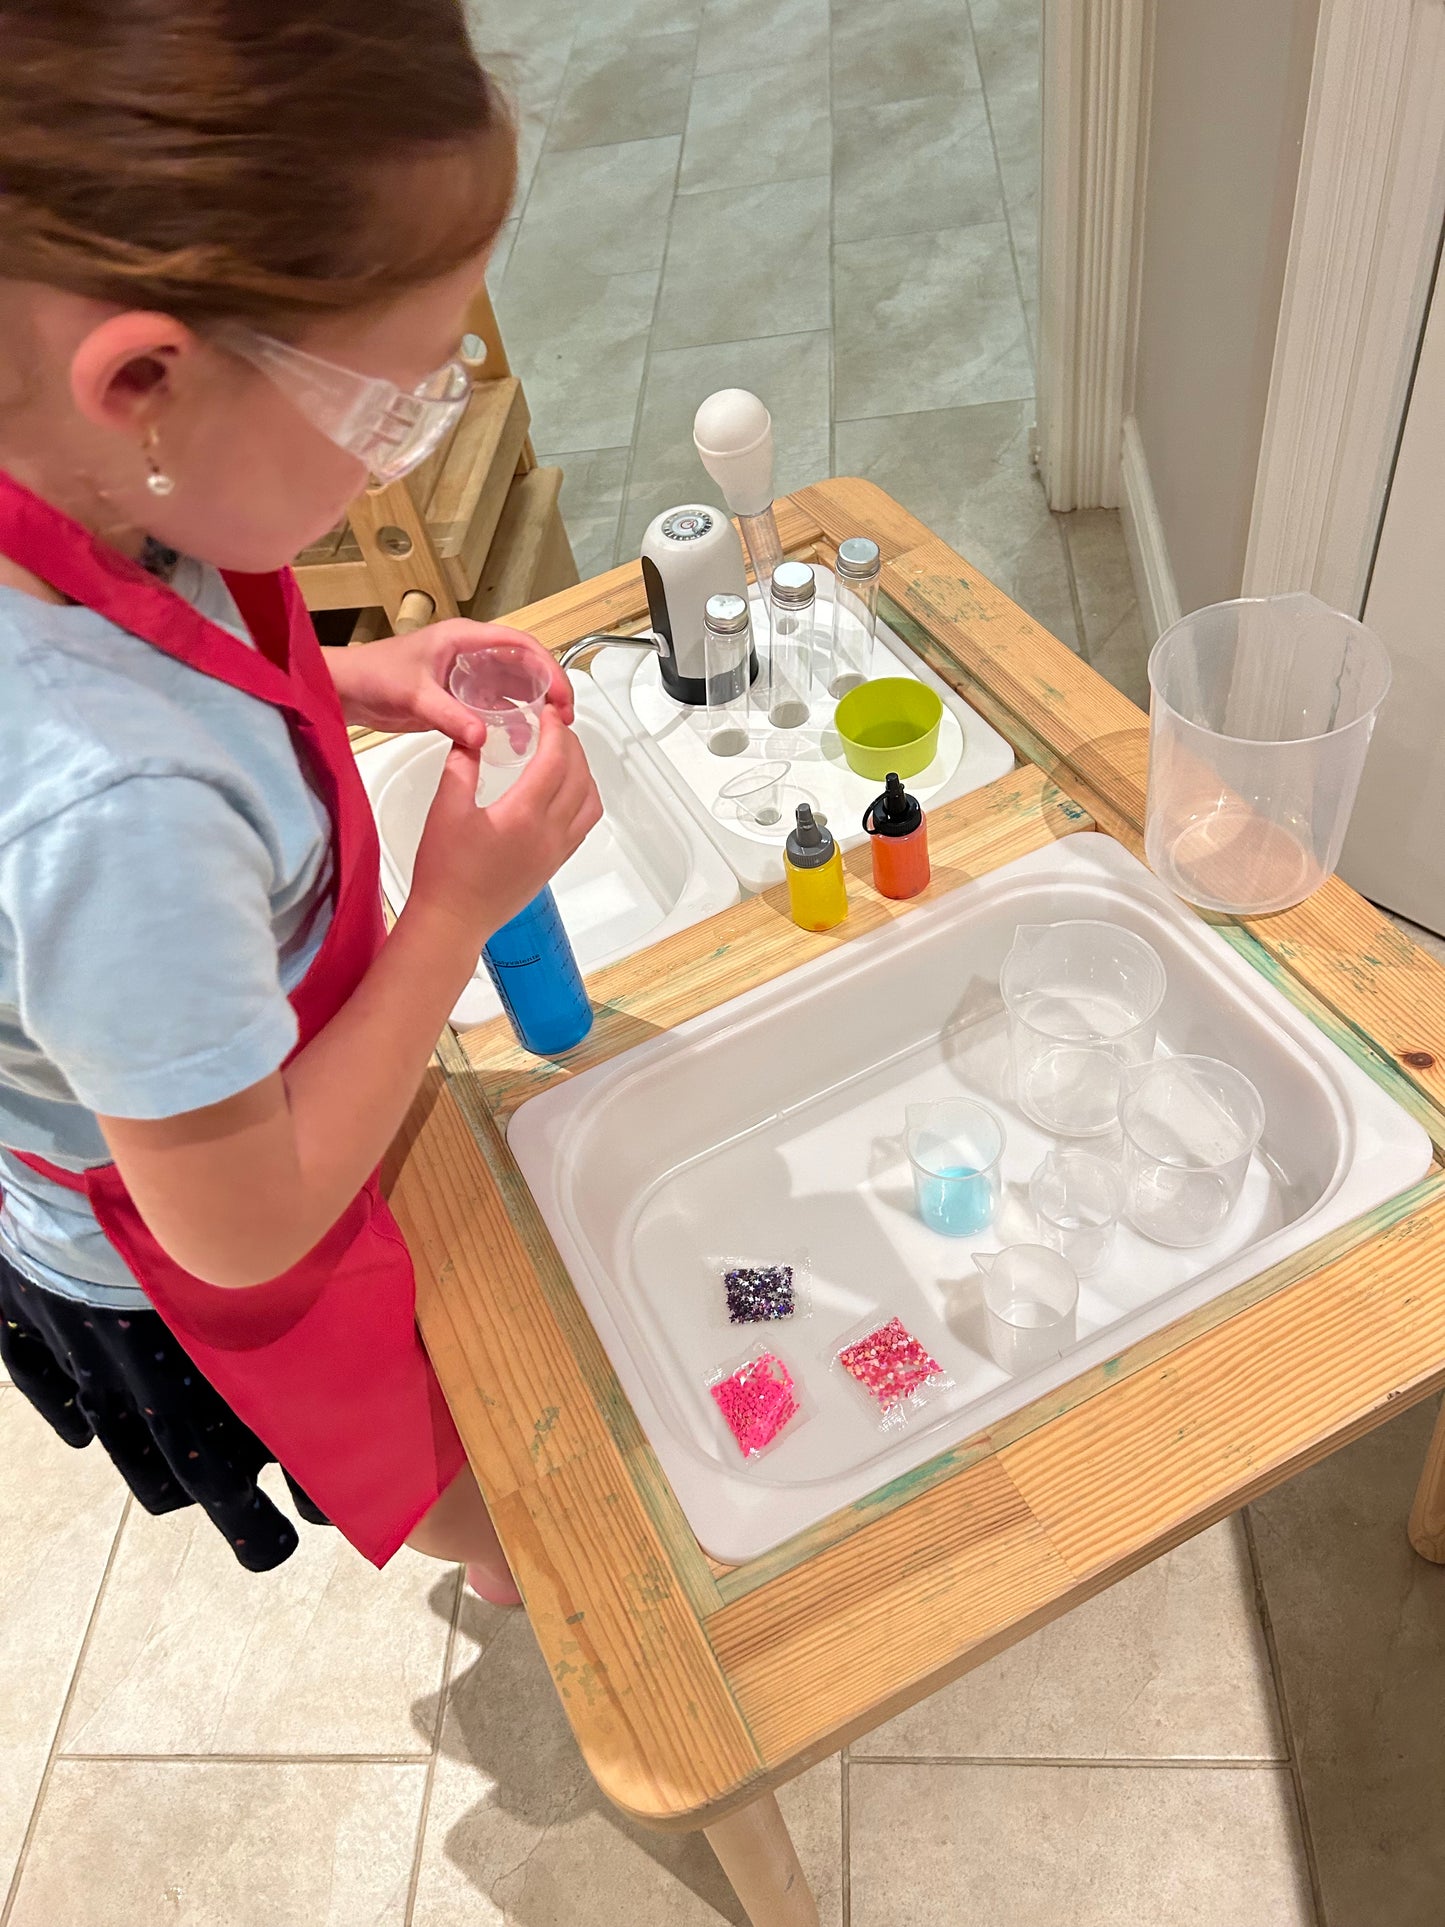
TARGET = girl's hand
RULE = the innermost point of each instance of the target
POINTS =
(481, 866)
(400, 683)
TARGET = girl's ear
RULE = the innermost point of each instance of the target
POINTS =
(121, 374)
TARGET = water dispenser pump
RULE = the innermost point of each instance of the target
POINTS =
(688, 554)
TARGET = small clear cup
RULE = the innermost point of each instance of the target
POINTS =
(1191, 1125)
(1083, 1001)
(756, 794)
(955, 1147)
(1031, 1301)
(507, 686)
(1076, 1198)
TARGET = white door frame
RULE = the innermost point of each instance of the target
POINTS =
(1369, 212)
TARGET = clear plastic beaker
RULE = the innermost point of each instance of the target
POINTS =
(506, 685)
(727, 654)
(954, 1147)
(1082, 1001)
(756, 794)
(1077, 1199)
(1190, 1128)
(1260, 715)
(1031, 1302)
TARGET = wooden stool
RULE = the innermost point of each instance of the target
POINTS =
(475, 530)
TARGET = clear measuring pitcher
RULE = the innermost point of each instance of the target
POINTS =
(1260, 715)
(1082, 1000)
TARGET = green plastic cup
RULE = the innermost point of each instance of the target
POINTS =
(890, 724)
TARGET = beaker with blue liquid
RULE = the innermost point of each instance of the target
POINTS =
(955, 1147)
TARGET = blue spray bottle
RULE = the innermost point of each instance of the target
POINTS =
(534, 971)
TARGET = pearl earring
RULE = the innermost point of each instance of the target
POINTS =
(157, 481)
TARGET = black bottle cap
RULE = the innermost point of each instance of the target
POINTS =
(810, 845)
(894, 813)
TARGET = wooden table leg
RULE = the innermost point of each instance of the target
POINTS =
(759, 1859)
(1427, 1515)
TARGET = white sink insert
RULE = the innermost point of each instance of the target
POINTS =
(774, 1124)
(643, 872)
(970, 754)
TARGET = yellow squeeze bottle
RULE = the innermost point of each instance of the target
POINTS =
(817, 896)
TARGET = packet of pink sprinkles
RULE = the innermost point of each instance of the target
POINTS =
(758, 1400)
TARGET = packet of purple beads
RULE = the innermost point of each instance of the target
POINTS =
(762, 1288)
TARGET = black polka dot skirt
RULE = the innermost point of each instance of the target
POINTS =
(122, 1379)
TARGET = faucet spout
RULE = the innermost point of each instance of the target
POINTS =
(648, 639)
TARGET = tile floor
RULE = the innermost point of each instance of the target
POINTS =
(184, 1746)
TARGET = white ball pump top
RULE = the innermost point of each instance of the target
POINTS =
(733, 433)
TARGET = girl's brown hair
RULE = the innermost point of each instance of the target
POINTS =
(271, 160)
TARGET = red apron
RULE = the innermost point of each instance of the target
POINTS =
(323, 1363)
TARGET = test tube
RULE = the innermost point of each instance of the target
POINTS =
(727, 661)
(855, 613)
(790, 648)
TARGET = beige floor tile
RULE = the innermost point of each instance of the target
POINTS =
(598, 210)
(790, 372)
(910, 166)
(133, 1843)
(1359, 1633)
(765, 122)
(592, 482)
(741, 34)
(746, 262)
(900, 52)
(192, 1654)
(529, 67)
(1114, 637)
(925, 321)
(1058, 1846)
(601, 19)
(1168, 1664)
(967, 473)
(59, 1511)
(579, 343)
(603, 100)
(518, 1833)
(500, 255)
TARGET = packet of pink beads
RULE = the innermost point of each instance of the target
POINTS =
(758, 1399)
(890, 1368)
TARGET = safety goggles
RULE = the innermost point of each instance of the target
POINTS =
(382, 425)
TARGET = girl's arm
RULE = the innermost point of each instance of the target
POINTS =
(240, 1191)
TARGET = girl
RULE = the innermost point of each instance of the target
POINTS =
(237, 240)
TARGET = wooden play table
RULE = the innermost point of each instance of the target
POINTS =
(695, 1690)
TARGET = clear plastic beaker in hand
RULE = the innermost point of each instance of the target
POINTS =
(1082, 999)
(1260, 715)
(755, 794)
(1190, 1128)
(506, 685)
(954, 1148)
(1077, 1199)
(1031, 1302)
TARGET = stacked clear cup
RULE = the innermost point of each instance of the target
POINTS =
(1083, 1001)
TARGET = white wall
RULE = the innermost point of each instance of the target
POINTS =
(1230, 85)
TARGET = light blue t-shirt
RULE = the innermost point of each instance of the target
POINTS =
(161, 852)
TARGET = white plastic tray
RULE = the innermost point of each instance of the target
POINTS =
(970, 754)
(642, 873)
(775, 1122)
